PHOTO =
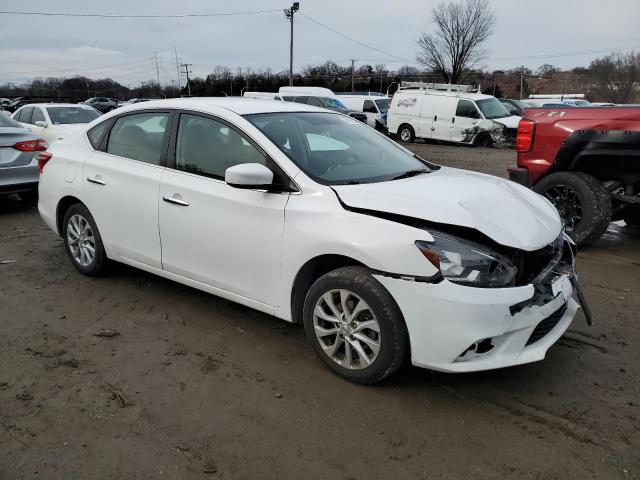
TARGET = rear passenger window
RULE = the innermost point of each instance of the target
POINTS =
(95, 134)
(25, 115)
(139, 137)
(208, 147)
(467, 109)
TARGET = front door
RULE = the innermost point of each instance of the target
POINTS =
(213, 233)
(122, 184)
(467, 115)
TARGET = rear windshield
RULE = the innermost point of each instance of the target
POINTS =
(69, 115)
(7, 121)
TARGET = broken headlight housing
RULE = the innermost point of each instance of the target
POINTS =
(468, 263)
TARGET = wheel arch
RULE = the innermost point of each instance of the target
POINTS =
(309, 273)
(63, 205)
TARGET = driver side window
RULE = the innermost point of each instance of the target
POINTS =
(208, 147)
(467, 109)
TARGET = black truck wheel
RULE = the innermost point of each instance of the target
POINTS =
(582, 201)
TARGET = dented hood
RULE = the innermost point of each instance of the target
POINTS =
(509, 122)
(508, 213)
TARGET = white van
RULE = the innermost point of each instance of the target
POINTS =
(373, 106)
(262, 95)
(455, 114)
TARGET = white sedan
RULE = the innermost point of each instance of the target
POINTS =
(318, 219)
(54, 121)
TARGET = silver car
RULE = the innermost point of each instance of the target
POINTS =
(19, 149)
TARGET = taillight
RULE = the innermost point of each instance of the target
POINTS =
(43, 158)
(524, 138)
(31, 146)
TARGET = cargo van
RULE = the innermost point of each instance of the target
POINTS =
(262, 95)
(450, 113)
(373, 106)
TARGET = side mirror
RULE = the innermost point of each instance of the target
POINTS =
(40, 123)
(249, 175)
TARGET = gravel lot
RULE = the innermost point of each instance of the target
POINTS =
(195, 387)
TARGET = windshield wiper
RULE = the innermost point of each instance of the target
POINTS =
(410, 173)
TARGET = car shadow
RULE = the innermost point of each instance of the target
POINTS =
(12, 203)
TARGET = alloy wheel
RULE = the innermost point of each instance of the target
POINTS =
(405, 135)
(566, 200)
(81, 240)
(347, 329)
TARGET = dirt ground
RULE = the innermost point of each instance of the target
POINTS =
(135, 377)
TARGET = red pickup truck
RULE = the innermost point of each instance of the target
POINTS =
(586, 161)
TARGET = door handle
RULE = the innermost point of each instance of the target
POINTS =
(96, 180)
(176, 201)
(453, 119)
(435, 119)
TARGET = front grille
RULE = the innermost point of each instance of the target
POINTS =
(546, 325)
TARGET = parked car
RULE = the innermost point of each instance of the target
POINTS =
(19, 150)
(54, 121)
(514, 107)
(304, 214)
(262, 95)
(450, 113)
(586, 161)
(373, 106)
(132, 101)
(102, 104)
(17, 103)
(573, 99)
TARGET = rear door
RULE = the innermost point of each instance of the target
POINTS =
(444, 110)
(466, 116)
(121, 181)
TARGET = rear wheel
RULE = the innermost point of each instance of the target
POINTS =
(355, 325)
(582, 202)
(406, 134)
(82, 241)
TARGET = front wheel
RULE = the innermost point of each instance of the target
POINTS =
(582, 202)
(406, 134)
(355, 325)
(82, 241)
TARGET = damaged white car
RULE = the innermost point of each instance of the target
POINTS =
(316, 218)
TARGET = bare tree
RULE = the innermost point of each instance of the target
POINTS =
(455, 46)
(616, 77)
(546, 70)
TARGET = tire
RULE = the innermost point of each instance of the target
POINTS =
(483, 141)
(382, 310)
(588, 219)
(631, 216)
(406, 134)
(30, 196)
(78, 223)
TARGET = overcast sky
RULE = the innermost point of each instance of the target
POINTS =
(527, 32)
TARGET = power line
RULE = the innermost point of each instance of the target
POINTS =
(104, 15)
(353, 39)
(568, 54)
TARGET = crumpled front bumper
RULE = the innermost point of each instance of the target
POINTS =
(456, 328)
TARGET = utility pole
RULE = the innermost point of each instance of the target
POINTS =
(155, 57)
(353, 75)
(289, 12)
(175, 53)
(521, 81)
(186, 72)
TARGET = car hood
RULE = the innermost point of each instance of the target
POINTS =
(508, 213)
(509, 122)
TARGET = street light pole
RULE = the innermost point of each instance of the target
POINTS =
(289, 12)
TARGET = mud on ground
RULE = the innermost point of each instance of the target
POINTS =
(133, 376)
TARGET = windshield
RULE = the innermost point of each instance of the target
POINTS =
(337, 150)
(68, 115)
(331, 102)
(7, 121)
(383, 104)
(492, 108)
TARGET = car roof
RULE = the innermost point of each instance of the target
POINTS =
(443, 93)
(239, 105)
(57, 105)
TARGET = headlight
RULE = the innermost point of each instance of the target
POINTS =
(468, 263)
